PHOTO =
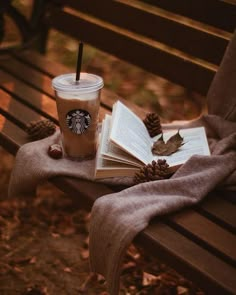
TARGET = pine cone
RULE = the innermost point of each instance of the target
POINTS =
(153, 124)
(154, 171)
(40, 129)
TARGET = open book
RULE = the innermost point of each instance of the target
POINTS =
(125, 144)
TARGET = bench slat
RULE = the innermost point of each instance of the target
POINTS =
(209, 272)
(220, 211)
(34, 99)
(23, 72)
(178, 35)
(219, 14)
(40, 63)
(15, 110)
(207, 233)
(11, 135)
(188, 73)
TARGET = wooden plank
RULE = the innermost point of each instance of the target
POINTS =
(229, 196)
(207, 233)
(220, 211)
(28, 75)
(11, 135)
(219, 14)
(41, 63)
(16, 111)
(31, 97)
(194, 262)
(187, 73)
(191, 40)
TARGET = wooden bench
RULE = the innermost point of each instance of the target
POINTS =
(199, 242)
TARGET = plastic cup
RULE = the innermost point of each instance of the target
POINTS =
(78, 107)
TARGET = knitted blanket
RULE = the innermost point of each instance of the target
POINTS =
(117, 218)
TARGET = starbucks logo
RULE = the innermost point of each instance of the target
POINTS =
(78, 121)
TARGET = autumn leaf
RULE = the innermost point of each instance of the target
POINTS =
(67, 269)
(149, 279)
(162, 148)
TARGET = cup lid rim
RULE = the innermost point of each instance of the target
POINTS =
(88, 83)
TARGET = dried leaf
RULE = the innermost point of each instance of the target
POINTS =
(67, 269)
(90, 278)
(159, 146)
(33, 260)
(176, 138)
(128, 266)
(149, 279)
(55, 235)
(182, 290)
(36, 290)
(84, 254)
(17, 269)
(133, 253)
(20, 261)
(162, 148)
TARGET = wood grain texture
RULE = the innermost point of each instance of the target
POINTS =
(191, 40)
(207, 233)
(209, 12)
(220, 211)
(33, 98)
(28, 75)
(187, 73)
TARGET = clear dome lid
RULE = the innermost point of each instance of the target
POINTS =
(87, 83)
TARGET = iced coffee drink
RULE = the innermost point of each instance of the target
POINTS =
(78, 106)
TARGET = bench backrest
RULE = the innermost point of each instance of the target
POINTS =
(182, 41)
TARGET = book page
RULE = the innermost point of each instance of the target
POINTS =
(110, 151)
(130, 134)
(107, 168)
(195, 142)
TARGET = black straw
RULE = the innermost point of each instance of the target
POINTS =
(79, 61)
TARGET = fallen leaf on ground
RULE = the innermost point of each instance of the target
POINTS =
(33, 260)
(149, 279)
(67, 269)
(84, 254)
